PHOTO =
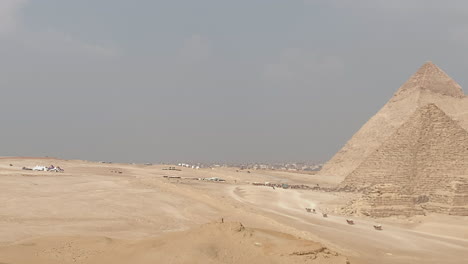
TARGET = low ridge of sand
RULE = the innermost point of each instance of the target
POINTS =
(228, 242)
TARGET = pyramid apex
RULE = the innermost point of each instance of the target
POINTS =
(430, 67)
(427, 65)
(430, 109)
(430, 77)
(430, 106)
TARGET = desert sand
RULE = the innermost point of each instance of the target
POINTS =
(123, 213)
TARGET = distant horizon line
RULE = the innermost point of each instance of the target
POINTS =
(172, 162)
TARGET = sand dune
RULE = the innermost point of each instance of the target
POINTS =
(227, 242)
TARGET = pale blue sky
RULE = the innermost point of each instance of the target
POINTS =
(214, 80)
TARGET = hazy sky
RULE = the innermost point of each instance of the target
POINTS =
(211, 80)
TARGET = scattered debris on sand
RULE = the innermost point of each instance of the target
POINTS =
(287, 186)
(51, 168)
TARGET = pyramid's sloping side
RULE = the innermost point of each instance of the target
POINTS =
(456, 108)
(370, 136)
(428, 85)
(442, 154)
(392, 162)
(425, 156)
(422, 167)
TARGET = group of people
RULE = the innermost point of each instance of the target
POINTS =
(53, 168)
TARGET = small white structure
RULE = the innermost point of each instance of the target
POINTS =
(39, 168)
(216, 179)
(44, 168)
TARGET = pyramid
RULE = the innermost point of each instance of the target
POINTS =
(424, 162)
(431, 78)
(428, 85)
(429, 149)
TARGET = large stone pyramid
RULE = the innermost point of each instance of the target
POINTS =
(428, 85)
(422, 165)
(431, 78)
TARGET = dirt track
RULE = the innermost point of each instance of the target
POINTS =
(394, 244)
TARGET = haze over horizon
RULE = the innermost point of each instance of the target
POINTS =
(211, 80)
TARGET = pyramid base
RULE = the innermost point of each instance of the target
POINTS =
(393, 204)
(388, 211)
(446, 209)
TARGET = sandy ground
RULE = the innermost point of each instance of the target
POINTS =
(102, 209)
(227, 242)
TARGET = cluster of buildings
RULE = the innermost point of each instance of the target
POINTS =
(186, 165)
(290, 166)
(286, 166)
